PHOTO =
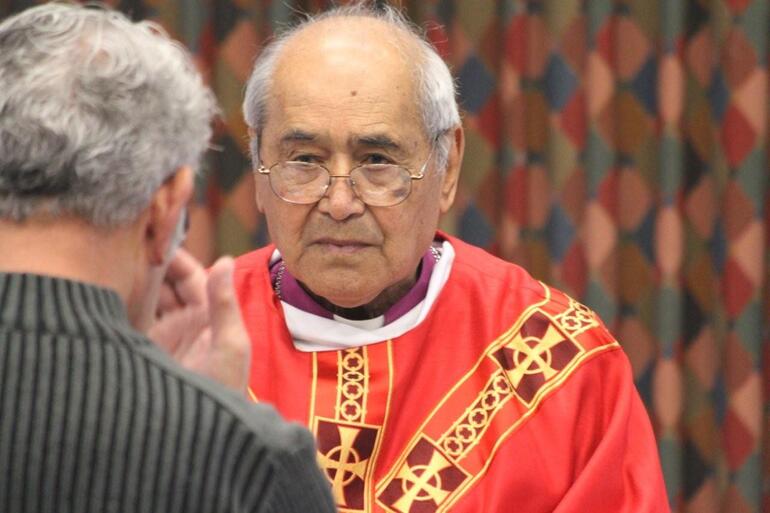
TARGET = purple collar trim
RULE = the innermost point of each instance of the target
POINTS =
(292, 292)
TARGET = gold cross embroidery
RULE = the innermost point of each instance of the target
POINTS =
(343, 463)
(425, 486)
(532, 355)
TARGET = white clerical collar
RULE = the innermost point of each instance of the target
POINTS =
(312, 333)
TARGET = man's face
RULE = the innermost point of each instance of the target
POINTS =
(343, 99)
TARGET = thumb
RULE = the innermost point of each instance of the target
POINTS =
(229, 338)
(224, 310)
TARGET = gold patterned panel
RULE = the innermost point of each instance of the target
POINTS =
(348, 435)
(577, 319)
(424, 482)
(352, 385)
(470, 428)
(535, 355)
(456, 443)
(345, 454)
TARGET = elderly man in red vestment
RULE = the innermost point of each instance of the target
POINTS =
(434, 376)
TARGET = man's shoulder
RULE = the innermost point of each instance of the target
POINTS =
(210, 404)
(472, 263)
(254, 444)
(251, 273)
(255, 260)
(474, 266)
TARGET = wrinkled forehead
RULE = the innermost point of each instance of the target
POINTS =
(344, 37)
(359, 66)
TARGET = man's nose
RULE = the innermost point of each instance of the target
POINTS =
(340, 200)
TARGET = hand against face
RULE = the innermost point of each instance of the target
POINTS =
(199, 322)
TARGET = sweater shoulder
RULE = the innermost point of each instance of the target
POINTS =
(210, 402)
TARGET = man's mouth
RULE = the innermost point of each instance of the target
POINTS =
(341, 246)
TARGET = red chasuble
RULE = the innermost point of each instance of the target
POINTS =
(509, 397)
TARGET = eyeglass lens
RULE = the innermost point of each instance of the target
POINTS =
(375, 184)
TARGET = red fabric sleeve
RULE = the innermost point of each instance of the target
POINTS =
(588, 448)
(622, 472)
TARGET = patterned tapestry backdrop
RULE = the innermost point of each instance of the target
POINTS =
(616, 149)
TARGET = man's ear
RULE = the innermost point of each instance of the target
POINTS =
(452, 172)
(261, 187)
(257, 177)
(165, 211)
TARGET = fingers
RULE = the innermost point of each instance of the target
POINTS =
(229, 337)
(167, 300)
(187, 279)
(200, 320)
(182, 311)
(224, 311)
(177, 331)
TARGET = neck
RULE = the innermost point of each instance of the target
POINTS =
(375, 308)
(70, 248)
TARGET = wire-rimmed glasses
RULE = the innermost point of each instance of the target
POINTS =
(377, 185)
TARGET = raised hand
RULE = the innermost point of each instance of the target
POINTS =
(199, 322)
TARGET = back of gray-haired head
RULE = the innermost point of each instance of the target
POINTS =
(95, 113)
(436, 96)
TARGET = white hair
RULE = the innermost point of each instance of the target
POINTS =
(95, 113)
(436, 94)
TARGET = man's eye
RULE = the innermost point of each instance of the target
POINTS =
(310, 159)
(376, 158)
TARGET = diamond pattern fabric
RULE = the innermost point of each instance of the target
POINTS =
(615, 148)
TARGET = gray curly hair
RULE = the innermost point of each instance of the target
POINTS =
(436, 92)
(95, 113)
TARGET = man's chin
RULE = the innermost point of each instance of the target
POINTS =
(334, 258)
(338, 292)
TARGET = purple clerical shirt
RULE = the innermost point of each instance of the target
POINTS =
(292, 293)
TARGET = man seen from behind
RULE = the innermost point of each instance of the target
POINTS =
(102, 122)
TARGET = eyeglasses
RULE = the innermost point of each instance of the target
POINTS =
(377, 185)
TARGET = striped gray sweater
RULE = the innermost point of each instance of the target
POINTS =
(95, 418)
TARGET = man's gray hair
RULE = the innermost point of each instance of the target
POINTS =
(95, 113)
(436, 95)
